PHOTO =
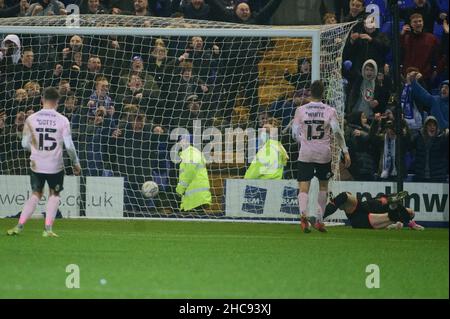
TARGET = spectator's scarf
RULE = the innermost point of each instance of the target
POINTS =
(407, 103)
(411, 114)
(99, 101)
(389, 155)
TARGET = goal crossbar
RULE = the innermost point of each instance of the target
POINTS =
(232, 30)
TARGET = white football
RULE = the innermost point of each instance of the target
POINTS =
(150, 189)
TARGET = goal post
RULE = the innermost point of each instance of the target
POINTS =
(129, 82)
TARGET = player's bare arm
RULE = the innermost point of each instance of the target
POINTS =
(341, 143)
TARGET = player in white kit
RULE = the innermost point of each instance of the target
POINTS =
(44, 134)
(311, 127)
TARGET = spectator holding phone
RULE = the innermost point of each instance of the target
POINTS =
(419, 49)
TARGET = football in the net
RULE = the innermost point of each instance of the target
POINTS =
(150, 189)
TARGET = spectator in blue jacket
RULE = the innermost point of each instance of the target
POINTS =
(438, 103)
(94, 142)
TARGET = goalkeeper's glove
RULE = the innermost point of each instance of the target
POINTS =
(180, 189)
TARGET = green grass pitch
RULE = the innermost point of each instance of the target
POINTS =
(180, 259)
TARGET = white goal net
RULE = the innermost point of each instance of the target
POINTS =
(131, 85)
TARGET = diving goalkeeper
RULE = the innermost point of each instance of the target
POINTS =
(384, 211)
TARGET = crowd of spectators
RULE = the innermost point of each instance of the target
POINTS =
(370, 90)
(123, 95)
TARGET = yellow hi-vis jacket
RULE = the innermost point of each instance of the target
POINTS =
(193, 184)
(269, 162)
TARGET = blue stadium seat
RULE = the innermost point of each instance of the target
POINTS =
(387, 27)
(443, 5)
(438, 30)
(406, 4)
